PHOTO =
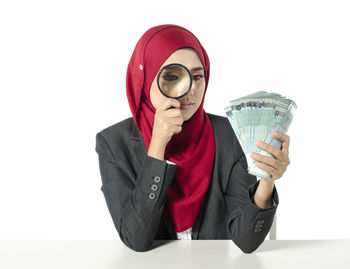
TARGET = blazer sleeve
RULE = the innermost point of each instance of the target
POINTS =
(136, 209)
(247, 224)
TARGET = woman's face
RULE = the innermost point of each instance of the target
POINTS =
(190, 59)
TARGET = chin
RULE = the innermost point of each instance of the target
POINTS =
(187, 116)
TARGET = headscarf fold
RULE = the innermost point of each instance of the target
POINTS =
(193, 149)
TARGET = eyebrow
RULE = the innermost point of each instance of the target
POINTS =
(176, 68)
(199, 68)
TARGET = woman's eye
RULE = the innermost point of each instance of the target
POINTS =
(197, 77)
(170, 77)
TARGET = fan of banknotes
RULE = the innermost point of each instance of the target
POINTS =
(254, 117)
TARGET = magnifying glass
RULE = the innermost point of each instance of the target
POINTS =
(174, 81)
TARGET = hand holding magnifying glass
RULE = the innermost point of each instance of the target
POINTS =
(174, 82)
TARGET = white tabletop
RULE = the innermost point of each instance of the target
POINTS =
(100, 254)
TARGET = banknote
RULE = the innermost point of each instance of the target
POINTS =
(253, 117)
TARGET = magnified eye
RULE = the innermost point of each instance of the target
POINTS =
(197, 77)
(170, 77)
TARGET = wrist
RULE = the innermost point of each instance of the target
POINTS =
(267, 182)
(156, 149)
(263, 194)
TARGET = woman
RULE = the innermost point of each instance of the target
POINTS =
(180, 173)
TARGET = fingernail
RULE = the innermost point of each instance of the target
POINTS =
(274, 133)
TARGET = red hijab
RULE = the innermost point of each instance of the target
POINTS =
(193, 149)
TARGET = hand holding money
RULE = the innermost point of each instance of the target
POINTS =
(276, 165)
(254, 118)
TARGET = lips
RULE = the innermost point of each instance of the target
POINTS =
(186, 105)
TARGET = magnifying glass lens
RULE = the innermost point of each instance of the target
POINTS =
(174, 80)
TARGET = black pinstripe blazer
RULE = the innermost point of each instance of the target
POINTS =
(227, 211)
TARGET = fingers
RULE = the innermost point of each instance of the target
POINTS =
(269, 148)
(169, 102)
(277, 164)
(169, 112)
(275, 173)
(168, 120)
(268, 160)
(175, 121)
(171, 115)
(276, 152)
(283, 137)
(178, 129)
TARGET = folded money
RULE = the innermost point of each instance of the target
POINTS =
(254, 117)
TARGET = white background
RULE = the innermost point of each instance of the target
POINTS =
(62, 80)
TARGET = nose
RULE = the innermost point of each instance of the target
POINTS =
(188, 97)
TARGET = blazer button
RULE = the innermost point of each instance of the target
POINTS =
(156, 179)
(151, 196)
(154, 187)
(258, 225)
(260, 221)
(257, 230)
